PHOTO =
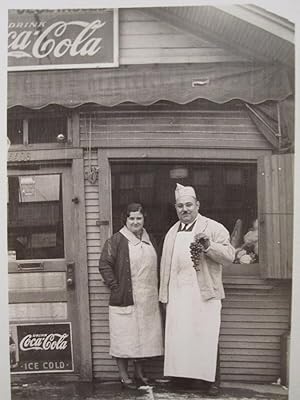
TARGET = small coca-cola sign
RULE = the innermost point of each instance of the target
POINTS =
(41, 348)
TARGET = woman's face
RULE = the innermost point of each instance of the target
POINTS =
(135, 221)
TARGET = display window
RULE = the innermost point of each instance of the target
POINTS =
(227, 193)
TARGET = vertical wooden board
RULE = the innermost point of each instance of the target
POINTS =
(82, 311)
(289, 193)
(290, 230)
(261, 195)
(285, 196)
(68, 213)
(275, 200)
(274, 208)
(282, 177)
(289, 182)
(266, 245)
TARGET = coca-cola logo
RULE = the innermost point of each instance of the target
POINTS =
(51, 341)
(41, 42)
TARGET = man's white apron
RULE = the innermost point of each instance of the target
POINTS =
(192, 324)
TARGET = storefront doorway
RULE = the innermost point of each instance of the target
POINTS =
(227, 191)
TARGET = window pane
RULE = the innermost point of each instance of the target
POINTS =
(45, 130)
(15, 131)
(127, 181)
(234, 176)
(146, 180)
(39, 188)
(201, 177)
(35, 220)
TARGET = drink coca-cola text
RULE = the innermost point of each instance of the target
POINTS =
(41, 43)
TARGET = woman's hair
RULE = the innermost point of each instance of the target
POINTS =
(132, 207)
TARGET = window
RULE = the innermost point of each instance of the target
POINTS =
(15, 131)
(36, 127)
(227, 193)
(35, 221)
(45, 130)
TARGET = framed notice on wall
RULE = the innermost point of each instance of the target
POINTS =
(62, 39)
(41, 348)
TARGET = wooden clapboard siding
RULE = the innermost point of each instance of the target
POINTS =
(254, 316)
(146, 40)
(275, 214)
(217, 24)
(200, 124)
(250, 332)
(98, 293)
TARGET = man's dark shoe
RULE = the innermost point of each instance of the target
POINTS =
(181, 383)
(213, 390)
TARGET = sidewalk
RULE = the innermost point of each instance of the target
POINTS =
(114, 391)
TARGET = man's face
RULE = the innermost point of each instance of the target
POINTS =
(187, 209)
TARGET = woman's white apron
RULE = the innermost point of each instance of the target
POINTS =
(192, 324)
(136, 331)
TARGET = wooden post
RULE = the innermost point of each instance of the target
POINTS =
(82, 295)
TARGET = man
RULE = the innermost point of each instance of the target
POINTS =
(193, 294)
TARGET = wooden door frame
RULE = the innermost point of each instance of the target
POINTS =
(81, 280)
(73, 197)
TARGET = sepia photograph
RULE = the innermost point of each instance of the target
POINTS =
(150, 202)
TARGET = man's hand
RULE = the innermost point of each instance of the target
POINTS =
(204, 240)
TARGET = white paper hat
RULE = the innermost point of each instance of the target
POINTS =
(184, 191)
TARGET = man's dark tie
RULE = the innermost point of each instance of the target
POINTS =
(183, 228)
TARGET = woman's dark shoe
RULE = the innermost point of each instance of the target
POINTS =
(128, 384)
(142, 381)
(139, 377)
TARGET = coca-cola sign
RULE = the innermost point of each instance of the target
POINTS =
(41, 348)
(48, 39)
(52, 341)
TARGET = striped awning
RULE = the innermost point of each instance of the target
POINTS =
(147, 84)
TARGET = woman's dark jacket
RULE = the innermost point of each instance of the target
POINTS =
(114, 266)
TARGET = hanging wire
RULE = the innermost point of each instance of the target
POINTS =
(90, 144)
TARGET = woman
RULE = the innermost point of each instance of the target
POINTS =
(128, 265)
